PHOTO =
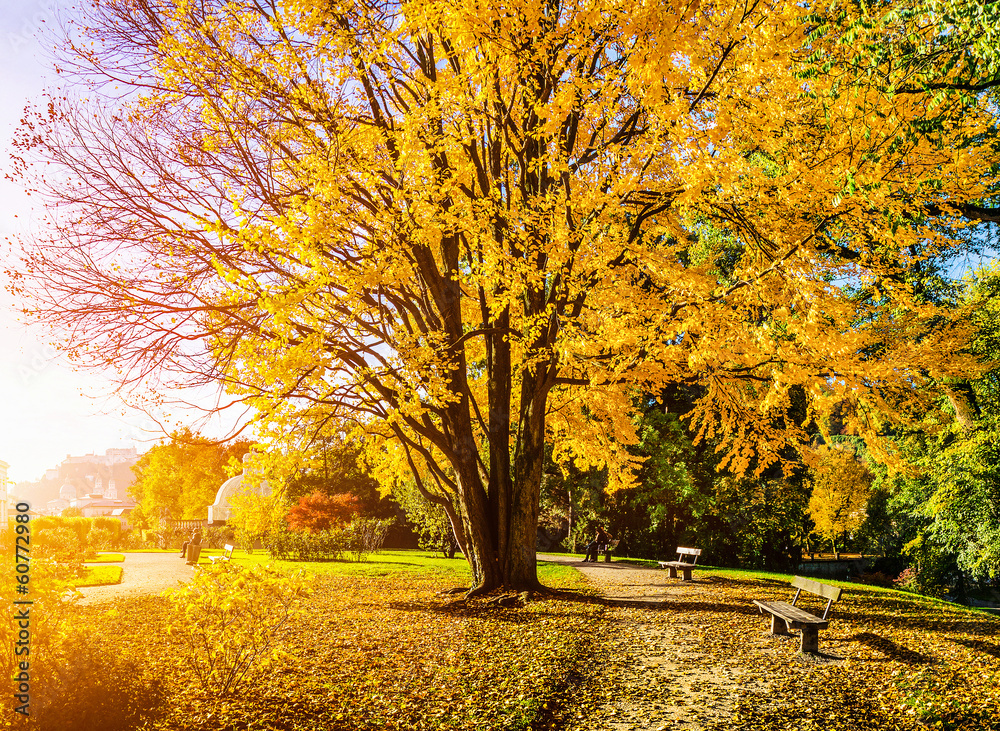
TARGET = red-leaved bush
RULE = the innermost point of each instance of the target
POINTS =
(319, 511)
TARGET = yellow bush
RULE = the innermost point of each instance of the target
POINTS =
(228, 620)
(33, 633)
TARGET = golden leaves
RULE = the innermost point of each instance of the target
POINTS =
(419, 216)
(841, 487)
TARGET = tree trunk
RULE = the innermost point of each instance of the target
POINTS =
(503, 529)
(570, 535)
(518, 558)
(479, 529)
(963, 401)
(498, 359)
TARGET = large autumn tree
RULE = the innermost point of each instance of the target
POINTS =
(462, 227)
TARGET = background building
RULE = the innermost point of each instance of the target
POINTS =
(220, 511)
(80, 480)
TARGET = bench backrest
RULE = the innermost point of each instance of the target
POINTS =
(830, 593)
(692, 552)
(228, 548)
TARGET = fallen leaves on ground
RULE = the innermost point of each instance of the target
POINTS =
(700, 656)
(397, 652)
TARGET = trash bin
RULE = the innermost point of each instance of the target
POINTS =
(193, 553)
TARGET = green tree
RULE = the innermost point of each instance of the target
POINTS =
(571, 500)
(673, 488)
(256, 518)
(682, 497)
(335, 465)
(429, 520)
(939, 499)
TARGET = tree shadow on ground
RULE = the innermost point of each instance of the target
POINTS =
(987, 648)
(478, 609)
(818, 658)
(892, 650)
(898, 615)
(483, 606)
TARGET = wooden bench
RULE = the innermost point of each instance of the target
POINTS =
(682, 563)
(785, 616)
(227, 554)
(608, 549)
(193, 553)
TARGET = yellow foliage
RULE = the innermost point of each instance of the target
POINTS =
(841, 487)
(466, 227)
(36, 633)
(228, 621)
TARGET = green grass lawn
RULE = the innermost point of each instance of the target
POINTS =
(784, 578)
(413, 561)
(99, 576)
(383, 563)
(107, 558)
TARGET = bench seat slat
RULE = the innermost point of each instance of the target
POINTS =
(677, 564)
(814, 587)
(227, 554)
(795, 617)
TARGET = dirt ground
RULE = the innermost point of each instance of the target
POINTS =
(656, 675)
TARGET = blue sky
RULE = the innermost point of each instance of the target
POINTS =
(48, 410)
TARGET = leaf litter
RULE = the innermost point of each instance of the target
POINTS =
(632, 650)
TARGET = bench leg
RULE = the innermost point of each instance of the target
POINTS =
(810, 640)
(687, 574)
(672, 572)
(607, 557)
(778, 626)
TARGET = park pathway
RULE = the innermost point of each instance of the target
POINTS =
(144, 573)
(662, 669)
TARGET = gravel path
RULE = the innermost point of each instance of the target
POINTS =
(144, 573)
(657, 675)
